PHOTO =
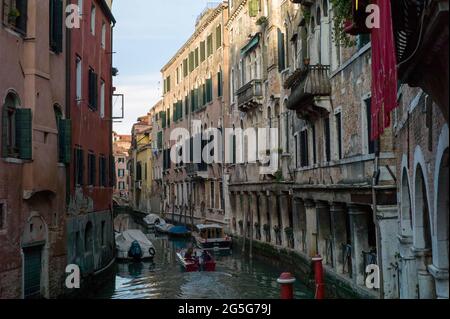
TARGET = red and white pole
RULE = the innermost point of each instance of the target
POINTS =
(287, 281)
(319, 277)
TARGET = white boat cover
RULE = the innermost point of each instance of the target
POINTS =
(126, 238)
(152, 219)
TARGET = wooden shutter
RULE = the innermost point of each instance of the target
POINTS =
(65, 140)
(112, 171)
(23, 133)
(281, 52)
(219, 36)
(163, 120)
(202, 51)
(253, 8)
(95, 76)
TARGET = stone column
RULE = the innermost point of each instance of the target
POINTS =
(273, 210)
(253, 217)
(387, 224)
(298, 208)
(360, 241)
(408, 269)
(324, 230)
(263, 213)
(311, 228)
(339, 234)
(239, 216)
(284, 209)
(426, 284)
(246, 213)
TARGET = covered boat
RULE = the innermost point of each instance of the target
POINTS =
(179, 231)
(212, 236)
(196, 260)
(152, 220)
(134, 245)
(163, 228)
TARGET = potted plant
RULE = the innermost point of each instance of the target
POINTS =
(342, 21)
(13, 15)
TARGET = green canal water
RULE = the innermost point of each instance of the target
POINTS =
(237, 277)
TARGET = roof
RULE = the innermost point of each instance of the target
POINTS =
(206, 226)
(106, 8)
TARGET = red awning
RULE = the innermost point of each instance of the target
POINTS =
(384, 71)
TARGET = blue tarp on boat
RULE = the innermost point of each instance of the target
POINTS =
(179, 230)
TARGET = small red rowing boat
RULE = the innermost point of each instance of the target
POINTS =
(196, 260)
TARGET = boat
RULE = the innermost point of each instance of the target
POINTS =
(200, 260)
(163, 228)
(152, 220)
(212, 237)
(134, 245)
(179, 231)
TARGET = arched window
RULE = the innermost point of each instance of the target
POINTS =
(318, 15)
(325, 8)
(406, 213)
(10, 128)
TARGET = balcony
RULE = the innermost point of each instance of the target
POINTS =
(250, 95)
(307, 84)
(197, 171)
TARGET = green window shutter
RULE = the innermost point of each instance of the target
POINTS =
(281, 52)
(64, 141)
(23, 133)
(21, 21)
(168, 84)
(210, 90)
(160, 140)
(163, 120)
(185, 68)
(168, 118)
(253, 8)
(196, 58)
(4, 132)
(202, 51)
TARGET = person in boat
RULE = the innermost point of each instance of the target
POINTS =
(189, 253)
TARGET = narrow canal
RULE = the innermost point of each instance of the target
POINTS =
(236, 277)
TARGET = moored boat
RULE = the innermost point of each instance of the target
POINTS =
(212, 237)
(152, 220)
(179, 231)
(163, 228)
(134, 245)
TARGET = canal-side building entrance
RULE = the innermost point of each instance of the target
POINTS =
(32, 272)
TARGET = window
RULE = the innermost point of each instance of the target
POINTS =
(185, 68)
(325, 8)
(209, 44)
(64, 136)
(79, 167)
(103, 234)
(219, 36)
(80, 8)
(327, 138)
(103, 35)
(121, 172)
(222, 205)
(371, 145)
(56, 25)
(219, 84)
(102, 171)
(296, 150)
(121, 160)
(209, 90)
(102, 99)
(93, 20)
(338, 118)
(121, 186)
(213, 195)
(79, 79)
(16, 129)
(196, 60)
(191, 61)
(2, 216)
(15, 14)
(304, 149)
(281, 51)
(92, 167)
(313, 129)
(93, 89)
(202, 51)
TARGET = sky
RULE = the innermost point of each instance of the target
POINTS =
(147, 35)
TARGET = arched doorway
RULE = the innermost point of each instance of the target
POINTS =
(422, 236)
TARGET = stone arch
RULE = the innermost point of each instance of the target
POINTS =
(421, 217)
(441, 203)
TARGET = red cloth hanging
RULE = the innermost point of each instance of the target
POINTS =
(384, 71)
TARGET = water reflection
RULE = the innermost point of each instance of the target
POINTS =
(164, 278)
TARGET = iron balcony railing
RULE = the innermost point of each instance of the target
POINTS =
(250, 95)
